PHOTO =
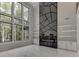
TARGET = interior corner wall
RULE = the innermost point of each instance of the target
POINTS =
(67, 31)
(36, 24)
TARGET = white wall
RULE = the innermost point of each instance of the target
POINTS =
(36, 24)
(78, 28)
(67, 38)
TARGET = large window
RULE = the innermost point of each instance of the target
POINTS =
(14, 23)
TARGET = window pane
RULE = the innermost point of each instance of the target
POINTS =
(18, 32)
(5, 32)
(26, 23)
(26, 32)
(25, 12)
(5, 7)
(5, 18)
(18, 21)
(18, 10)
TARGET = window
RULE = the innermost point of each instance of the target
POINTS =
(5, 18)
(25, 12)
(5, 29)
(17, 10)
(5, 7)
(13, 22)
(18, 32)
(7, 33)
(18, 21)
(26, 32)
(26, 23)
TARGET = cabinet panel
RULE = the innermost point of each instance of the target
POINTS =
(67, 25)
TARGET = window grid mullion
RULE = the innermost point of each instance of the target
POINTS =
(13, 23)
(22, 21)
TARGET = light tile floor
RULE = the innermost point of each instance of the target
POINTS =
(37, 51)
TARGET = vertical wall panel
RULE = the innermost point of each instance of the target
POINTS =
(67, 25)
